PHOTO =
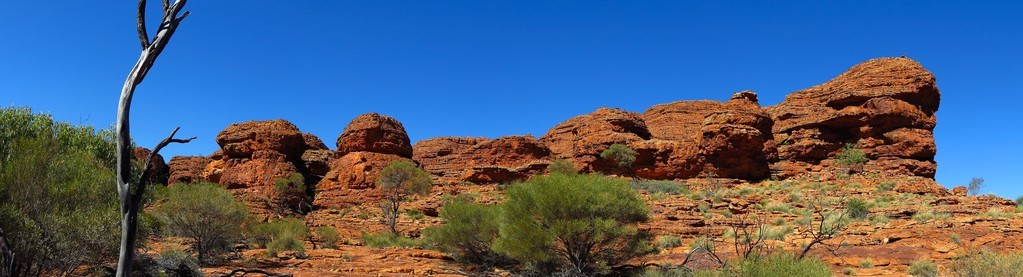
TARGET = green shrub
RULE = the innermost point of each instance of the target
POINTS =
(328, 236)
(663, 187)
(399, 182)
(286, 234)
(291, 194)
(387, 240)
(778, 207)
(857, 208)
(779, 264)
(204, 213)
(547, 217)
(987, 263)
(923, 268)
(886, 186)
(995, 213)
(58, 204)
(468, 232)
(620, 154)
(866, 263)
(562, 166)
(667, 242)
(851, 156)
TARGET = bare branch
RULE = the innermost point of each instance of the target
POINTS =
(143, 176)
(143, 34)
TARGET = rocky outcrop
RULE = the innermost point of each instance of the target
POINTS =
(186, 169)
(885, 107)
(376, 133)
(697, 138)
(581, 139)
(368, 144)
(241, 140)
(481, 160)
(159, 172)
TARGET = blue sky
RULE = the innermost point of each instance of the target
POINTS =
(494, 68)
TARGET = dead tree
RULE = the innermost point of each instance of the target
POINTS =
(130, 195)
(749, 235)
(831, 223)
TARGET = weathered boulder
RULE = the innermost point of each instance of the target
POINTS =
(480, 160)
(241, 140)
(352, 179)
(261, 170)
(581, 139)
(693, 138)
(377, 133)
(186, 169)
(734, 141)
(317, 161)
(159, 172)
(886, 107)
(312, 142)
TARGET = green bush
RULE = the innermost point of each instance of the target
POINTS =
(975, 185)
(857, 208)
(779, 264)
(988, 263)
(291, 194)
(281, 235)
(562, 166)
(58, 202)
(204, 213)
(547, 218)
(923, 268)
(387, 240)
(620, 154)
(927, 216)
(328, 236)
(886, 186)
(664, 187)
(667, 242)
(399, 182)
(851, 156)
(467, 233)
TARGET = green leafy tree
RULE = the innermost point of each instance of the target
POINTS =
(562, 166)
(400, 181)
(582, 223)
(206, 214)
(620, 154)
(291, 194)
(468, 232)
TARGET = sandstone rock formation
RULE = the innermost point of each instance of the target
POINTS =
(886, 107)
(241, 140)
(368, 144)
(159, 171)
(377, 133)
(186, 169)
(481, 160)
(581, 139)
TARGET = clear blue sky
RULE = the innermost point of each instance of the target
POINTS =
(493, 68)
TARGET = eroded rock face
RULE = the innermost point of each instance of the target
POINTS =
(241, 140)
(481, 160)
(581, 139)
(352, 179)
(886, 107)
(186, 169)
(261, 170)
(159, 171)
(377, 133)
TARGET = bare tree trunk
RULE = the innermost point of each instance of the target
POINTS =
(131, 198)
